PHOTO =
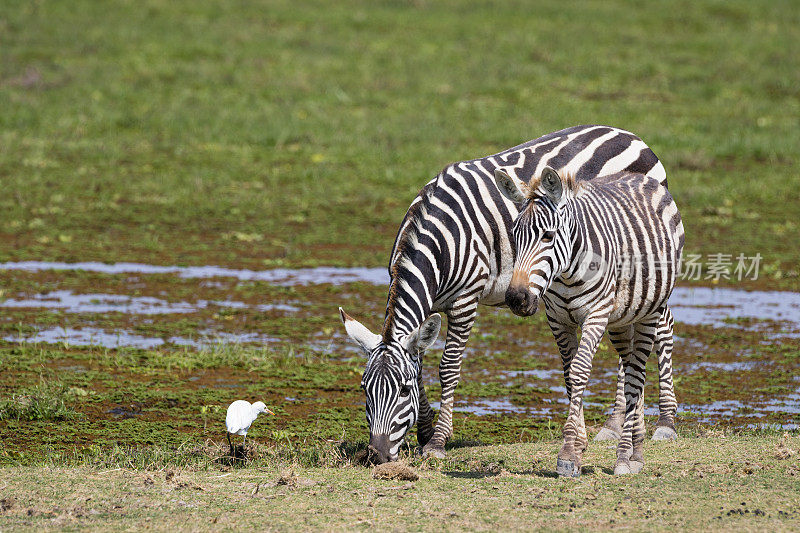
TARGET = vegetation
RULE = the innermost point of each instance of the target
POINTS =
(717, 482)
(290, 134)
(45, 401)
(297, 133)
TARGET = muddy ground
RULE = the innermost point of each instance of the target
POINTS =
(153, 356)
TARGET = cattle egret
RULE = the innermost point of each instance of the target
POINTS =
(241, 415)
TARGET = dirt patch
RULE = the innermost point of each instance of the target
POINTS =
(289, 478)
(6, 504)
(395, 471)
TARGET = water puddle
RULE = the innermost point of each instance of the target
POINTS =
(278, 276)
(705, 366)
(713, 306)
(125, 412)
(542, 374)
(97, 337)
(70, 302)
(99, 303)
(87, 337)
(709, 413)
(726, 409)
(757, 311)
(493, 407)
(716, 307)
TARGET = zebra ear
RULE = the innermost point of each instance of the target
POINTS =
(512, 188)
(359, 333)
(422, 337)
(552, 185)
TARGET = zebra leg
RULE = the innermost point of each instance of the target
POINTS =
(667, 404)
(622, 340)
(567, 342)
(426, 414)
(630, 458)
(571, 453)
(459, 324)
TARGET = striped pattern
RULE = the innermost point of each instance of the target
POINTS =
(453, 251)
(393, 403)
(601, 255)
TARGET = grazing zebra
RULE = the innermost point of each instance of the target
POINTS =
(601, 255)
(452, 252)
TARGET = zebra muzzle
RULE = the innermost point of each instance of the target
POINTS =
(378, 449)
(521, 301)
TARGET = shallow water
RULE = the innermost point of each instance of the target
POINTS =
(99, 303)
(494, 357)
(278, 276)
(710, 412)
(712, 306)
(734, 366)
(91, 336)
(70, 302)
(690, 305)
(87, 336)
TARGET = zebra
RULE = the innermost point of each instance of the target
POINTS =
(452, 252)
(602, 255)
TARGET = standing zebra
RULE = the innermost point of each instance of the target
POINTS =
(452, 252)
(601, 254)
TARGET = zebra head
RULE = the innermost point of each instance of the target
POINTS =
(540, 235)
(391, 382)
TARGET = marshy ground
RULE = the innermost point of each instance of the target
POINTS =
(185, 152)
(137, 358)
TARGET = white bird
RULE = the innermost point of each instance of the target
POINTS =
(240, 417)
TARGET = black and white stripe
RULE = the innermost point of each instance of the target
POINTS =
(603, 255)
(453, 251)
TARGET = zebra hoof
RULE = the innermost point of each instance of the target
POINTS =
(567, 468)
(664, 433)
(607, 434)
(622, 469)
(630, 467)
(433, 453)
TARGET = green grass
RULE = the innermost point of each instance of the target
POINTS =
(47, 401)
(277, 133)
(297, 133)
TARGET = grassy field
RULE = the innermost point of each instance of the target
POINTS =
(717, 482)
(292, 134)
(271, 133)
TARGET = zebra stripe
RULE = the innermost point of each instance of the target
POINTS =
(453, 252)
(627, 229)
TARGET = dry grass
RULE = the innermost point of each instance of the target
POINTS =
(713, 483)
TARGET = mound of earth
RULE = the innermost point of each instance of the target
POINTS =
(394, 470)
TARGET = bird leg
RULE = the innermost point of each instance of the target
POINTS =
(230, 444)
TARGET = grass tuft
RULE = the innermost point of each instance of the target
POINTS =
(46, 401)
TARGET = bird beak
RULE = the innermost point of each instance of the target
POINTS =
(268, 411)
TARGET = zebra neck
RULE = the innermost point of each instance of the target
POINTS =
(412, 293)
(578, 247)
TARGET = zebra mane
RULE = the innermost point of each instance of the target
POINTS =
(570, 181)
(406, 242)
